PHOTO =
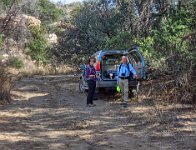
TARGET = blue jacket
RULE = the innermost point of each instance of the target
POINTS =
(124, 69)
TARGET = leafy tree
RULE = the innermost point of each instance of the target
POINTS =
(39, 47)
(121, 41)
(93, 22)
(8, 2)
(49, 12)
(159, 27)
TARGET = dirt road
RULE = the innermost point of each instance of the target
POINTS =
(49, 113)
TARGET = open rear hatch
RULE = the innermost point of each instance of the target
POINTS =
(137, 60)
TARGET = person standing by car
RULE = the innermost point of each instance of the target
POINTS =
(123, 73)
(91, 81)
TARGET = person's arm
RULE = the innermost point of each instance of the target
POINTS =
(132, 70)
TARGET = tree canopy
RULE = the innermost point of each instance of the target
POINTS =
(159, 27)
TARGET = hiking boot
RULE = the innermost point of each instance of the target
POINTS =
(124, 104)
(93, 105)
(90, 105)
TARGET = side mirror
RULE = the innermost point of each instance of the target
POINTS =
(82, 66)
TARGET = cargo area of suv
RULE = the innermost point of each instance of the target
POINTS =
(109, 66)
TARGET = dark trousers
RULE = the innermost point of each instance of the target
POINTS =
(91, 91)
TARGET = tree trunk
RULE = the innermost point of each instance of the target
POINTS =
(5, 85)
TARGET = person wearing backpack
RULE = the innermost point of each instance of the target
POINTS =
(124, 72)
(91, 81)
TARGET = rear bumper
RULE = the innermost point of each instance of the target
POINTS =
(106, 84)
(113, 84)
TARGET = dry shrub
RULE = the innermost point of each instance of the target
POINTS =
(174, 87)
(177, 84)
(170, 90)
(5, 84)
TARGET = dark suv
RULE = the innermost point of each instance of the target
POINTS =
(107, 63)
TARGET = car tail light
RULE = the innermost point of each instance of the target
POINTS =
(98, 66)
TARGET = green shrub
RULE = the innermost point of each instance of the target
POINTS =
(39, 46)
(49, 12)
(16, 63)
(8, 2)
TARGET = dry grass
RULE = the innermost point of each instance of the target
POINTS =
(46, 70)
(170, 90)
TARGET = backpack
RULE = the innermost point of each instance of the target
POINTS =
(130, 74)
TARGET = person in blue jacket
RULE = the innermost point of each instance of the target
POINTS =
(123, 73)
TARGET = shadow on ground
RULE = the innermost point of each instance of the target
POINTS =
(51, 116)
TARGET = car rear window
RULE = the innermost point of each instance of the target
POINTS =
(111, 59)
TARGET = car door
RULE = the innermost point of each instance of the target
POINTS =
(137, 60)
